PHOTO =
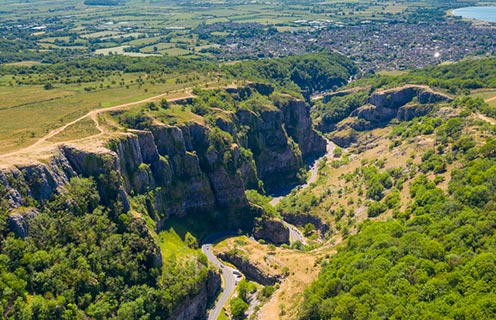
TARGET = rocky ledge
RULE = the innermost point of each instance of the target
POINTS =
(251, 270)
(403, 103)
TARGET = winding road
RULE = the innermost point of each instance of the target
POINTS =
(232, 276)
(314, 170)
(294, 234)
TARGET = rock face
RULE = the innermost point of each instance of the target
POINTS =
(280, 138)
(410, 111)
(344, 137)
(397, 97)
(178, 170)
(182, 169)
(374, 114)
(36, 181)
(251, 271)
(276, 158)
(194, 308)
(403, 103)
(298, 125)
(302, 219)
(272, 230)
(18, 221)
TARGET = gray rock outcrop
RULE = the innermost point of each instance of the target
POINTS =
(272, 230)
(403, 103)
(250, 270)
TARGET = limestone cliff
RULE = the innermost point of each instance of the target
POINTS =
(194, 307)
(180, 169)
(252, 270)
(397, 97)
(271, 230)
(403, 103)
(277, 158)
(298, 125)
(169, 170)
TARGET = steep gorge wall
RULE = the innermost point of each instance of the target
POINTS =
(194, 307)
(191, 168)
(403, 103)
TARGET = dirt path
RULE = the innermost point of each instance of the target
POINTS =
(490, 99)
(486, 118)
(93, 115)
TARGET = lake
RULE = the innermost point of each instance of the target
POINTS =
(479, 13)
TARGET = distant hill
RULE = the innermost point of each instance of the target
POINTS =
(102, 2)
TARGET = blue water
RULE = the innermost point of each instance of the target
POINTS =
(479, 13)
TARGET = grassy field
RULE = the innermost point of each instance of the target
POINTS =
(487, 94)
(82, 129)
(299, 267)
(171, 244)
(30, 112)
(114, 27)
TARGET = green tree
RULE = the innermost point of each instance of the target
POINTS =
(308, 229)
(164, 104)
(238, 308)
(190, 240)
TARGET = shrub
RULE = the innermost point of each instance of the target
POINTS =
(375, 209)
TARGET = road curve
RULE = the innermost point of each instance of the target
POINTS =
(228, 273)
(294, 234)
(314, 170)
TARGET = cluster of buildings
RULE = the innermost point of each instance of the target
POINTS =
(373, 46)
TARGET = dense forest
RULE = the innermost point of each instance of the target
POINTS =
(92, 69)
(294, 74)
(435, 258)
(83, 259)
(454, 78)
(306, 73)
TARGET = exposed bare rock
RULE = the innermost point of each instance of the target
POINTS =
(276, 159)
(299, 219)
(410, 111)
(194, 307)
(298, 125)
(344, 138)
(18, 221)
(397, 97)
(403, 103)
(251, 270)
(374, 114)
(355, 124)
(38, 181)
(272, 230)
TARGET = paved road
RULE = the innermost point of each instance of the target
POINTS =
(294, 234)
(228, 273)
(230, 278)
(314, 170)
